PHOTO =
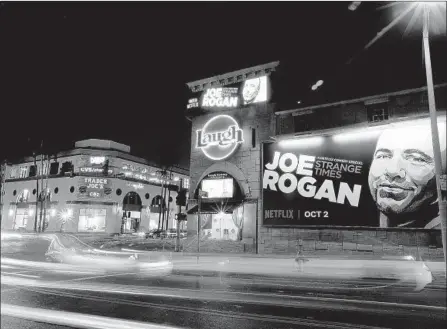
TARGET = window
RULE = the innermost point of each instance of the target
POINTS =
(13, 173)
(72, 189)
(92, 220)
(54, 168)
(186, 183)
(305, 122)
(23, 172)
(32, 171)
(23, 197)
(21, 218)
(45, 169)
(377, 112)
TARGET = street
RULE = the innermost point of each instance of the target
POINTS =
(198, 295)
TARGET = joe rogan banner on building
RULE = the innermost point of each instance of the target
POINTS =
(374, 177)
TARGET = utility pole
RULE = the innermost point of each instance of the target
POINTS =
(164, 208)
(43, 192)
(47, 196)
(434, 128)
(161, 206)
(37, 193)
(2, 187)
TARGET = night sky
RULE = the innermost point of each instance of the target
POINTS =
(71, 71)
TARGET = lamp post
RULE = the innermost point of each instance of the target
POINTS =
(434, 125)
(440, 183)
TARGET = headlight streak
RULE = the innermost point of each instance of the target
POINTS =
(220, 295)
(225, 314)
(78, 320)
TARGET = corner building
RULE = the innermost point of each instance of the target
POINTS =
(97, 187)
(267, 178)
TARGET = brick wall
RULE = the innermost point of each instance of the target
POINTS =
(355, 113)
(330, 241)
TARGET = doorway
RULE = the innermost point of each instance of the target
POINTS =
(132, 206)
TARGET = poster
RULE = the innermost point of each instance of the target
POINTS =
(371, 177)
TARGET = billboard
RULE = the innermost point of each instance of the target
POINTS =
(371, 177)
(218, 185)
(250, 91)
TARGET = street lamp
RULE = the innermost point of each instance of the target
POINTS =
(434, 125)
(426, 7)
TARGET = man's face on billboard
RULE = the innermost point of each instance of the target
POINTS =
(402, 174)
(251, 89)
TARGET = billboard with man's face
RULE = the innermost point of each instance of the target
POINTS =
(374, 177)
(236, 95)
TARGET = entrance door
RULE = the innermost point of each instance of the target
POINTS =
(131, 212)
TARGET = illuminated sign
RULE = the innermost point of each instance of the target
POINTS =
(220, 97)
(93, 170)
(219, 137)
(255, 90)
(97, 160)
(138, 186)
(193, 102)
(251, 91)
(94, 187)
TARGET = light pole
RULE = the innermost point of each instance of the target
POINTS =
(434, 126)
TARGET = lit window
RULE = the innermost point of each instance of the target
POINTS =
(21, 218)
(92, 220)
(23, 197)
(23, 172)
(13, 173)
(186, 183)
(45, 169)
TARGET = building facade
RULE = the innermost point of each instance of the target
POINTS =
(266, 179)
(96, 187)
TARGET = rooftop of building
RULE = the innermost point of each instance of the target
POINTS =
(232, 77)
(107, 147)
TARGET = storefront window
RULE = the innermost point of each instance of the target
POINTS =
(21, 218)
(23, 172)
(23, 197)
(92, 220)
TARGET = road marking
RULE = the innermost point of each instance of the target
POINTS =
(72, 319)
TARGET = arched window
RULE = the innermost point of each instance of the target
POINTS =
(157, 201)
(132, 198)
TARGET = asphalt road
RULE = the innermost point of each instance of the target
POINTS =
(193, 297)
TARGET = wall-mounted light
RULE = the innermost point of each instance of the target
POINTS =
(355, 135)
(308, 141)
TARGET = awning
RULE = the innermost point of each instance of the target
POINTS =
(208, 207)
